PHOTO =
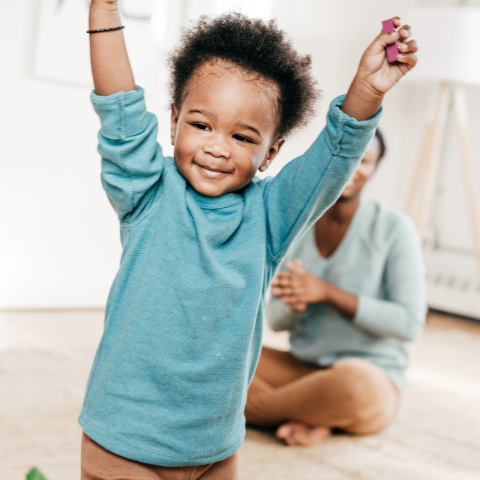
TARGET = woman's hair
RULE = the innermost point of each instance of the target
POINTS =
(381, 142)
(255, 47)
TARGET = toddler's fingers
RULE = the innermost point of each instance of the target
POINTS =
(396, 21)
(405, 32)
(383, 40)
(387, 38)
(408, 47)
(410, 59)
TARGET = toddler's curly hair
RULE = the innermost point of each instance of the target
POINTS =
(256, 47)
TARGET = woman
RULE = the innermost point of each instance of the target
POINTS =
(351, 294)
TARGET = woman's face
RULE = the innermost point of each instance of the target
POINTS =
(363, 172)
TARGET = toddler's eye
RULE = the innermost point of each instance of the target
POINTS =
(201, 126)
(241, 138)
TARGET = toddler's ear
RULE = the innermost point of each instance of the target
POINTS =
(173, 123)
(272, 153)
(264, 165)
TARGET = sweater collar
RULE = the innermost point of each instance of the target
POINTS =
(222, 201)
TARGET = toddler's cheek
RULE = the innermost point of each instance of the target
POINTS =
(184, 153)
(248, 167)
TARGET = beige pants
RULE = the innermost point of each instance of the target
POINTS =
(353, 394)
(100, 464)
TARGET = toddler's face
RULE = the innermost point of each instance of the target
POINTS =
(225, 129)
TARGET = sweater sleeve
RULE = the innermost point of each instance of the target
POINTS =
(132, 160)
(401, 314)
(280, 316)
(308, 185)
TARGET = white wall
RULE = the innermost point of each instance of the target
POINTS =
(59, 242)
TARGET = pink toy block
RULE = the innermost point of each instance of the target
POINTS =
(392, 50)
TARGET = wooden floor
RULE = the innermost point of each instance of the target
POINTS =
(45, 358)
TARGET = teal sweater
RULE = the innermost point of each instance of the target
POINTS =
(183, 323)
(380, 260)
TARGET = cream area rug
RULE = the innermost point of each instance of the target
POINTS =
(45, 359)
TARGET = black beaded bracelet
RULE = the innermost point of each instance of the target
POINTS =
(105, 30)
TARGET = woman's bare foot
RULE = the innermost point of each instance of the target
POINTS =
(299, 434)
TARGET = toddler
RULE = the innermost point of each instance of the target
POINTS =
(202, 236)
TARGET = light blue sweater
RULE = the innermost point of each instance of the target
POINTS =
(380, 260)
(183, 323)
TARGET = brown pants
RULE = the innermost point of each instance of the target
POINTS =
(100, 464)
(353, 394)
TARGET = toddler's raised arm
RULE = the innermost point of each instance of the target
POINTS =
(110, 64)
(132, 160)
(307, 186)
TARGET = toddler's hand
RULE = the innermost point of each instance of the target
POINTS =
(108, 5)
(375, 70)
(376, 75)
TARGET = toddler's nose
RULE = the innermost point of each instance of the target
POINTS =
(217, 147)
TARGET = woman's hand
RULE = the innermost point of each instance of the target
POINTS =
(299, 287)
(375, 75)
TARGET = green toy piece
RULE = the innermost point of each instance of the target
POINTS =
(34, 474)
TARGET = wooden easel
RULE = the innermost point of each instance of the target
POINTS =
(426, 170)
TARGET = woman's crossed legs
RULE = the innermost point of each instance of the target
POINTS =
(353, 394)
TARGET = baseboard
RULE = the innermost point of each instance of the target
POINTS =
(452, 283)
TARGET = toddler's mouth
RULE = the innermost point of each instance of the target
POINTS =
(210, 171)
